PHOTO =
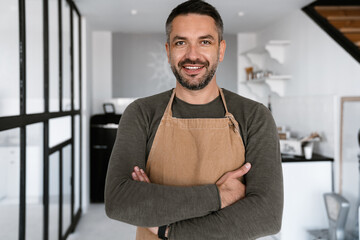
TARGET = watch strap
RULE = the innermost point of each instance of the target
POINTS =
(161, 232)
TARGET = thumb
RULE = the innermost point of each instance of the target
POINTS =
(235, 174)
(244, 169)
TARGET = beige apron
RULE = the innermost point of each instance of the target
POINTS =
(197, 151)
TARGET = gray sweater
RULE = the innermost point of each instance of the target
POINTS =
(194, 212)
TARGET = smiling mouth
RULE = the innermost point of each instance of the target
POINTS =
(192, 70)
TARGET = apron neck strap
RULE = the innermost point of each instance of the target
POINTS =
(224, 102)
(168, 110)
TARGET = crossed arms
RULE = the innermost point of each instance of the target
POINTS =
(231, 189)
(196, 212)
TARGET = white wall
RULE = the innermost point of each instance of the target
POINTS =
(86, 110)
(101, 70)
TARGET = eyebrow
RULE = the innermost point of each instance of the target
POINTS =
(207, 37)
(177, 37)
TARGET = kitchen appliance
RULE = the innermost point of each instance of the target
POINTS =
(103, 129)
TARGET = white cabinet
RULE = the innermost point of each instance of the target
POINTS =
(304, 208)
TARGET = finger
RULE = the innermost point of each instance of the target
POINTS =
(144, 176)
(138, 173)
(223, 178)
(241, 171)
(134, 176)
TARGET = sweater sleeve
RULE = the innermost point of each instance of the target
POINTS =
(144, 204)
(260, 212)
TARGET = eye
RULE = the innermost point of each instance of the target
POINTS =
(179, 43)
(205, 42)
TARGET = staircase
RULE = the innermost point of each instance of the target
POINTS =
(341, 20)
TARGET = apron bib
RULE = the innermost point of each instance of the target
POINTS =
(188, 152)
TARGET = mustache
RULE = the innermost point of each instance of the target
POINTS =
(188, 61)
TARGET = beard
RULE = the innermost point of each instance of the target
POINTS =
(199, 84)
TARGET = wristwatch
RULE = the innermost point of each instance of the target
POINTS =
(162, 231)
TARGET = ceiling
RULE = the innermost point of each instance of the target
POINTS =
(115, 15)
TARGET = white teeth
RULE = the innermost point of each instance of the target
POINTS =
(192, 68)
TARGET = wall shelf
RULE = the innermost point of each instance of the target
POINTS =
(276, 49)
(259, 56)
(276, 83)
(273, 77)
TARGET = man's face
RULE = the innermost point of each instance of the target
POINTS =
(194, 50)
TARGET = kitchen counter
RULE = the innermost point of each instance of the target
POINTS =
(305, 182)
(315, 158)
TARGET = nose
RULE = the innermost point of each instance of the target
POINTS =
(192, 52)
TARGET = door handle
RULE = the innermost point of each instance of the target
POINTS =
(100, 146)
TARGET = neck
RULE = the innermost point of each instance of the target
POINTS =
(203, 96)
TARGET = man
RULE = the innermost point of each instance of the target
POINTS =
(192, 143)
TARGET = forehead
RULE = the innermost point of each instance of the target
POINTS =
(193, 25)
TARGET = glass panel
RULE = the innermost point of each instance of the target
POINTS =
(9, 58)
(53, 56)
(76, 61)
(66, 211)
(34, 181)
(77, 164)
(59, 130)
(9, 183)
(66, 55)
(34, 57)
(54, 196)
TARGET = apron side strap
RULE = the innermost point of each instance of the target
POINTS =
(234, 124)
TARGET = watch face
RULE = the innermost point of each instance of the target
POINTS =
(333, 207)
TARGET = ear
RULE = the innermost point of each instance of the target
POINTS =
(167, 47)
(222, 50)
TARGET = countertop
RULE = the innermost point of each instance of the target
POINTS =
(315, 158)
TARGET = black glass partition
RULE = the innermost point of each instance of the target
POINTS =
(40, 119)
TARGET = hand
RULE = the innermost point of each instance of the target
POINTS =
(231, 189)
(140, 175)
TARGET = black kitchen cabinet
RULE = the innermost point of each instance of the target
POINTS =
(103, 129)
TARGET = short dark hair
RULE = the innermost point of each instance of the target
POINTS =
(197, 7)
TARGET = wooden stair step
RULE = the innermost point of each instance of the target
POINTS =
(338, 11)
(343, 18)
(354, 37)
(350, 30)
(354, 7)
(346, 24)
